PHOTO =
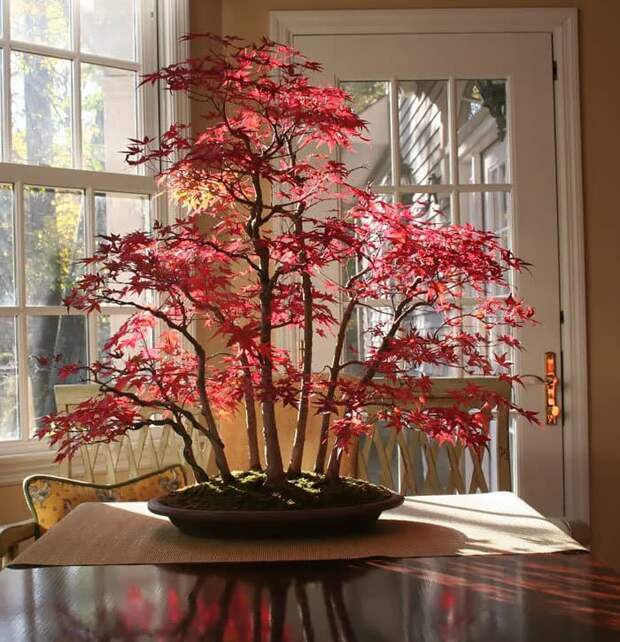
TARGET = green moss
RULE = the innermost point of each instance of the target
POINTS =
(249, 492)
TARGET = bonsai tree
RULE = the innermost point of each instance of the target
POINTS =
(269, 213)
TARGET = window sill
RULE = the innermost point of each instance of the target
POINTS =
(19, 460)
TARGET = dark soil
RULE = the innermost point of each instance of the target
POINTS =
(249, 492)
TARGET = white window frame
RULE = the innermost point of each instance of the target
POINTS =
(562, 25)
(158, 46)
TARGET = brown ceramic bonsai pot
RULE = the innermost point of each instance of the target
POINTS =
(248, 524)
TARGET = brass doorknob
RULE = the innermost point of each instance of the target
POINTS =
(552, 409)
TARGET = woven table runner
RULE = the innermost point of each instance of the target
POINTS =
(426, 526)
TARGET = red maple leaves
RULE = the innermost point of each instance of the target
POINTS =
(265, 235)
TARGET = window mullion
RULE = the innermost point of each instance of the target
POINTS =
(455, 209)
(91, 230)
(454, 152)
(93, 59)
(40, 50)
(6, 85)
(22, 330)
(77, 89)
(50, 310)
(395, 132)
(66, 54)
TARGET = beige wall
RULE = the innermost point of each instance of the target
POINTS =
(600, 99)
(12, 505)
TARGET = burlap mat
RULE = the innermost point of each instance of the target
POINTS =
(126, 533)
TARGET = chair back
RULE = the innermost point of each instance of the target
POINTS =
(147, 449)
(50, 498)
(136, 453)
(411, 463)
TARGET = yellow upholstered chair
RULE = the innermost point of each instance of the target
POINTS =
(50, 498)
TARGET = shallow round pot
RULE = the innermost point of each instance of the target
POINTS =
(248, 524)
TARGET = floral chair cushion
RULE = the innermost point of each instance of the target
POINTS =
(50, 498)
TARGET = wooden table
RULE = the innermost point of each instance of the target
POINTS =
(529, 598)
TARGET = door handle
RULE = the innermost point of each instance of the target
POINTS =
(552, 409)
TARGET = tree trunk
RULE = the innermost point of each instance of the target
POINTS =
(250, 416)
(216, 443)
(299, 440)
(333, 466)
(188, 452)
(273, 454)
(319, 465)
(335, 458)
(205, 407)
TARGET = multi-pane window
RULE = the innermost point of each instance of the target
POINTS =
(440, 146)
(70, 73)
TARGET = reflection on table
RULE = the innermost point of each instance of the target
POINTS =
(549, 597)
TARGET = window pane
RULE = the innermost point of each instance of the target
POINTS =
(9, 415)
(108, 117)
(371, 101)
(432, 207)
(41, 110)
(49, 336)
(482, 131)
(54, 231)
(490, 211)
(44, 23)
(7, 247)
(121, 213)
(109, 324)
(108, 28)
(423, 132)
(106, 326)
(429, 324)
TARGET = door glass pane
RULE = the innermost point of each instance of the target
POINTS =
(41, 98)
(490, 211)
(431, 207)
(7, 247)
(423, 131)
(429, 324)
(371, 101)
(9, 415)
(108, 117)
(108, 28)
(371, 318)
(43, 23)
(482, 131)
(54, 235)
(49, 336)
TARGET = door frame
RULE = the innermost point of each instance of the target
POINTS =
(562, 25)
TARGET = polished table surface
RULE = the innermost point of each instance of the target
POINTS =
(529, 598)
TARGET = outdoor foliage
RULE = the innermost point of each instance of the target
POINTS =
(270, 211)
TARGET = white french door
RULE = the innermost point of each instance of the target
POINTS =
(463, 126)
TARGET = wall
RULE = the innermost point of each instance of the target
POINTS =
(12, 505)
(600, 97)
